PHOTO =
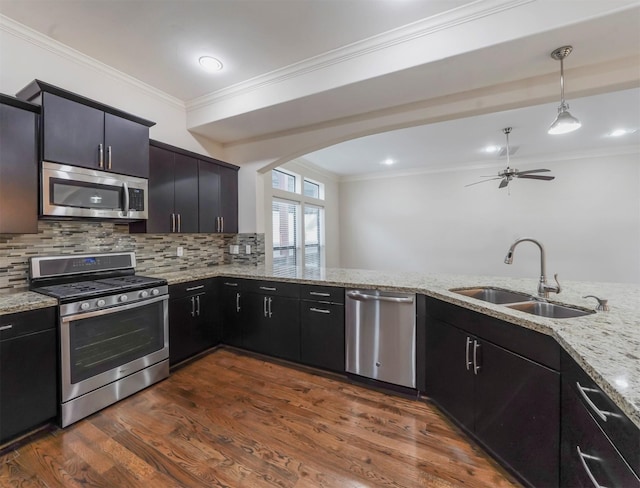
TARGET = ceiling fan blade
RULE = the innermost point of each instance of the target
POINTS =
(483, 181)
(503, 183)
(536, 177)
(529, 171)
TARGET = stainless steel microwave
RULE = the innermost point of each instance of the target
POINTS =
(69, 191)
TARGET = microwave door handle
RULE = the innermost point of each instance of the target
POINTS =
(126, 198)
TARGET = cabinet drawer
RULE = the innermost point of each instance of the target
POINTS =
(22, 323)
(329, 294)
(190, 288)
(291, 290)
(231, 284)
(622, 432)
(588, 456)
(531, 344)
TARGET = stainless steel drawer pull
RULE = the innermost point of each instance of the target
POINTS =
(319, 294)
(6, 327)
(199, 287)
(363, 298)
(476, 366)
(268, 288)
(468, 362)
(600, 413)
(583, 458)
(228, 283)
(319, 310)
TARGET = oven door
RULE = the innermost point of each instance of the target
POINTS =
(100, 347)
(69, 191)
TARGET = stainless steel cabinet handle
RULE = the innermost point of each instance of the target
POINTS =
(199, 287)
(269, 307)
(265, 306)
(221, 224)
(362, 297)
(217, 224)
(228, 283)
(238, 302)
(109, 156)
(476, 366)
(467, 361)
(600, 413)
(319, 310)
(173, 222)
(319, 294)
(179, 223)
(583, 458)
(6, 327)
(193, 306)
(268, 288)
(100, 156)
(198, 305)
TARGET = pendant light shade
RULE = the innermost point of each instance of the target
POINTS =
(564, 122)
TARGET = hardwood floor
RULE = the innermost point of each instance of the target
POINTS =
(236, 421)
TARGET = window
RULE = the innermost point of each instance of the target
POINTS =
(312, 239)
(283, 181)
(285, 238)
(311, 189)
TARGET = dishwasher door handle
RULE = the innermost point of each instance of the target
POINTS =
(365, 298)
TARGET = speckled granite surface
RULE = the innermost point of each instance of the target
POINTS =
(605, 344)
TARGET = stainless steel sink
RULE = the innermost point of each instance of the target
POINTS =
(551, 310)
(493, 295)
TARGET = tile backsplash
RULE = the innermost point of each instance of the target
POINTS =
(154, 252)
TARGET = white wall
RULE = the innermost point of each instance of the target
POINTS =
(331, 205)
(26, 55)
(588, 219)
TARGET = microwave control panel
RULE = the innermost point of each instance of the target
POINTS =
(136, 199)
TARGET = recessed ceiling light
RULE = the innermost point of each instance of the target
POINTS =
(621, 132)
(491, 149)
(388, 162)
(210, 64)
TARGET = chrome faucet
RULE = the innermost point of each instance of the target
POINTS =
(543, 287)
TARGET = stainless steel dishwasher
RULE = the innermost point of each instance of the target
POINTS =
(380, 336)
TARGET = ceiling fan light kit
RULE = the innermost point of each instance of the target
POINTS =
(564, 122)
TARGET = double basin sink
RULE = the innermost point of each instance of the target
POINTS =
(523, 302)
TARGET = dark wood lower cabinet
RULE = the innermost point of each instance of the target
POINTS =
(231, 310)
(508, 402)
(28, 371)
(322, 335)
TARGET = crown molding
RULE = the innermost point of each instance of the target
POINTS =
(41, 41)
(475, 165)
(421, 28)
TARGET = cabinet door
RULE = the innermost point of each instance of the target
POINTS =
(282, 328)
(231, 310)
(126, 146)
(209, 197)
(449, 370)
(18, 171)
(161, 190)
(229, 199)
(518, 413)
(255, 330)
(27, 382)
(322, 335)
(186, 193)
(72, 132)
(189, 333)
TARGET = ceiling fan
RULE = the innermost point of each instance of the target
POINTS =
(508, 174)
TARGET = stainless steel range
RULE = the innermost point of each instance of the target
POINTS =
(114, 328)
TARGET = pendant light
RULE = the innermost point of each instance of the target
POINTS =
(565, 122)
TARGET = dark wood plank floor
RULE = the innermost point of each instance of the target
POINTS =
(236, 421)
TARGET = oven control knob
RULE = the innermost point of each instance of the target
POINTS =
(84, 306)
(123, 298)
(155, 292)
(144, 294)
(101, 303)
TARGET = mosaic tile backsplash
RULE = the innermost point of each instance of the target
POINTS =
(154, 252)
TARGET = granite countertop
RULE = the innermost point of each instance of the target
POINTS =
(605, 344)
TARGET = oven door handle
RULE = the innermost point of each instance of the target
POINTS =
(116, 309)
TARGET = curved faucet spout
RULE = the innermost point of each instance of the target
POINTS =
(543, 287)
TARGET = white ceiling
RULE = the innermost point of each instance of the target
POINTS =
(298, 65)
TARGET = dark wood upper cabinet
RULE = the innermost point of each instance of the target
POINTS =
(218, 187)
(82, 132)
(186, 193)
(18, 166)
